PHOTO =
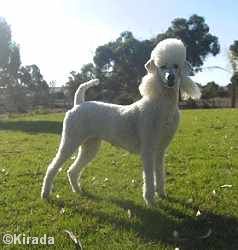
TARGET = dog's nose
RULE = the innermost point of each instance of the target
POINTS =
(171, 77)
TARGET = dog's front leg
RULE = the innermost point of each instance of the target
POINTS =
(148, 176)
(160, 174)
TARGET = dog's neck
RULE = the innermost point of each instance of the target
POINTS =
(167, 97)
(152, 90)
(170, 96)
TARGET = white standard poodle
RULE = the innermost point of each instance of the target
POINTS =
(145, 127)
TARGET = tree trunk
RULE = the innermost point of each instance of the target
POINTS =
(180, 96)
(233, 92)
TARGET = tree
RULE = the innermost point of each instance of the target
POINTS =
(194, 33)
(9, 56)
(234, 79)
(16, 82)
(5, 40)
(120, 66)
(87, 72)
(32, 80)
(210, 90)
(10, 62)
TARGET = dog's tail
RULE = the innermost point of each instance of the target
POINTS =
(80, 93)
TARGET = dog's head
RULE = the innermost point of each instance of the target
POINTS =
(168, 64)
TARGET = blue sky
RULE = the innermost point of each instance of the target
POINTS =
(62, 35)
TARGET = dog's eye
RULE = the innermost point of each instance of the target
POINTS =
(163, 67)
(176, 66)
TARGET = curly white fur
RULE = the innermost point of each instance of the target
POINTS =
(145, 127)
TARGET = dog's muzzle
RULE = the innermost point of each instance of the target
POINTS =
(168, 77)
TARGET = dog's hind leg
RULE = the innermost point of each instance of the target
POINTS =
(62, 155)
(87, 152)
(69, 143)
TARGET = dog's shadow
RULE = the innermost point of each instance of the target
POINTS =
(167, 225)
(32, 127)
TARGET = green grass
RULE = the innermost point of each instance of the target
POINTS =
(202, 158)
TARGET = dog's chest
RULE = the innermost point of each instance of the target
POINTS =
(166, 127)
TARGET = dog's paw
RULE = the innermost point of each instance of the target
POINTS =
(75, 186)
(149, 199)
(77, 189)
(150, 203)
(161, 195)
(44, 195)
(45, 191)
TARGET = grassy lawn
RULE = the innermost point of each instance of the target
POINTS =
(111, 214)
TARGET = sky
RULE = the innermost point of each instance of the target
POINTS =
(62, 35)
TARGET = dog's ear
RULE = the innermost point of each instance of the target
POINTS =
(150, 66)
(188, 69)
(189, 88)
